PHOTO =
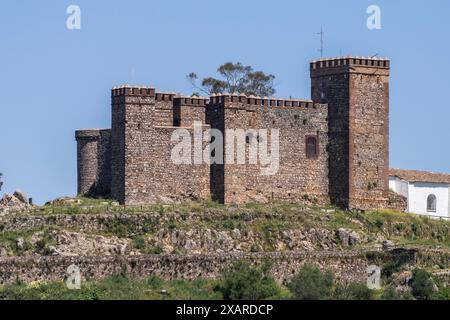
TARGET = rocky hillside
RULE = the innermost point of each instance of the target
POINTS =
(192, 240)
(77, 227)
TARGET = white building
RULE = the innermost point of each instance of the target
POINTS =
(427, 193)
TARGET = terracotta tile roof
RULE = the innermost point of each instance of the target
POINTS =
(420, 176)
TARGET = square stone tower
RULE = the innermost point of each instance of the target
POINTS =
(357, 93)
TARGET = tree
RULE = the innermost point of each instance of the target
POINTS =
(236, 78)
(1, 182)
(311, 284)
(243, 282)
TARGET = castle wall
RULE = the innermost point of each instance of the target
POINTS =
(298, 178)
(145, 171)
(187, 110)
(163, 114)
(346, 125)
(118, 146)
(347, 266)
(357, 93)
(104, 167)
(93, 162)
(171, 180)
(336, 89)
(370, 138)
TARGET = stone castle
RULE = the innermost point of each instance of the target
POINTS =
(333, 148)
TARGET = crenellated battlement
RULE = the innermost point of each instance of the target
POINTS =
(126, 90)
(350, 62)
(191, 101)
(261, 101)
(165, 96)
(89, 133)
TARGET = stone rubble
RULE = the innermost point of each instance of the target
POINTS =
(15, 202)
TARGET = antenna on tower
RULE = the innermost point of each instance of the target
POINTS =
(321, 41)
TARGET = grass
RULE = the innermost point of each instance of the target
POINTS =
(269, 221)
(8, 240)
(121, 287)
(118, 287)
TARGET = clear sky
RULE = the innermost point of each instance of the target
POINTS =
(54, 80)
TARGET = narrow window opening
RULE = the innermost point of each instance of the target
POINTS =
(431, 203)
(312, 149)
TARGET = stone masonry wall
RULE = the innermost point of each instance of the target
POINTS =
(144, 120)
(347, 266)
(357, 93)
(336, 89)
(94, 161)
(297, 177)
(171, 180)
(348, 118)
(369, 138)
(187, 110)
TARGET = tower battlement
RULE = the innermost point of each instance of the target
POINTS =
(191, 101)
(227, 99)
(350, 62)
(126, 90)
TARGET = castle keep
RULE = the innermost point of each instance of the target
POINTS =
(332, 149)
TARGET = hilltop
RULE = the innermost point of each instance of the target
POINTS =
(196, 240)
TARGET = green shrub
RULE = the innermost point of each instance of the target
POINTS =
(155, 282)
(139, 243)
(156, 250)
(243, 282)
(311, 284)
(443, 293)
(422, 285)
(354, 291)
(392, 294)
(390, 268)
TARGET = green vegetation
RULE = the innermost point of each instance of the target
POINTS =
(117, 287)
(422, 285)
(354, 291)
(24, 240)
(238, 282)
(266, 222)
(243, 282)
(312, 284)
(235, 78)
(259, 227)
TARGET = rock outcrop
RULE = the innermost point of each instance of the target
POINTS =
(16, 202)
(348, 238)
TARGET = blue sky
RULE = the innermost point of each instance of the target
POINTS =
(54, 81)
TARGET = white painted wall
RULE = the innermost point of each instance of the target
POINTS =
(418, 195)
(398, 186)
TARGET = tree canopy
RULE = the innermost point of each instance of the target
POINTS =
(235, 78)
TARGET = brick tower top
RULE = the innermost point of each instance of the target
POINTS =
(329, 66)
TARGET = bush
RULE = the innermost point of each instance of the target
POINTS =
(139, 242)
(311, 284)
(243, 282)
(392, 294)
(354, 291)
(155, 282)
(390, 268)
(422, 285)
(443, 293)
